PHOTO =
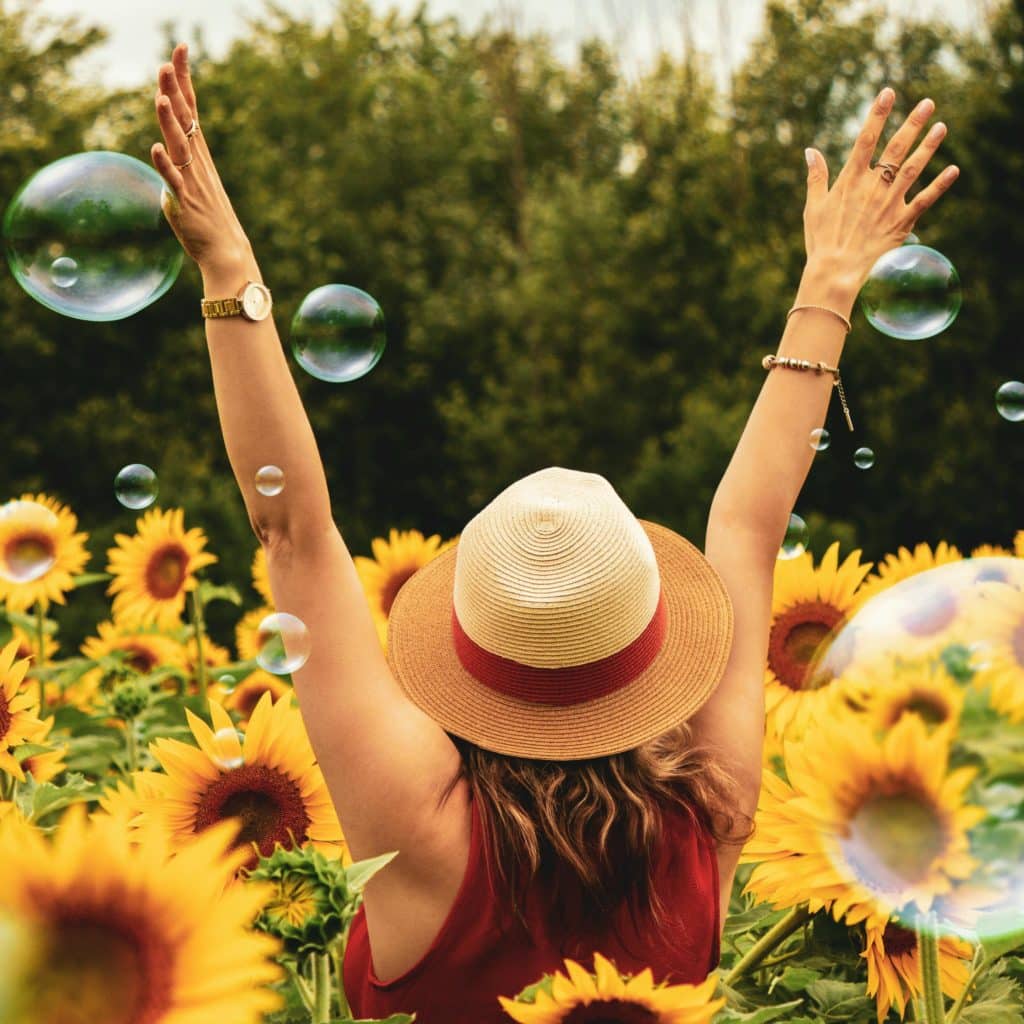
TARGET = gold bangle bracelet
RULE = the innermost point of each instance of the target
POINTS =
(824, 309)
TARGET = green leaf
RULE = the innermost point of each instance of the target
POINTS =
(87, 579)
(840, 1000)
(759, 1016)
(997, 999)
(210, 592)
(359, 873)
(996, 946)
(37, 801)
(796, 979)
(759, 915)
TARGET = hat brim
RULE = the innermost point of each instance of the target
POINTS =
(421, 653)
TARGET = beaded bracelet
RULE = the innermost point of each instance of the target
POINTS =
(787, 363)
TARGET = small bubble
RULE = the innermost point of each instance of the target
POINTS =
(284, 644)
(269, 481)
(794, 543)
(1010, 401)
(338, 333)
(64, 272)
(863, 458)
(820, 439)
(135, 486)
(227, 749)
(227, 684)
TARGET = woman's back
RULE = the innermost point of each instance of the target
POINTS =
(480, 952)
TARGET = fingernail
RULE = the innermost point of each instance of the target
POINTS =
(937, 130)
(886, 96)
(950, 173)
(925, 108)
(809, 156)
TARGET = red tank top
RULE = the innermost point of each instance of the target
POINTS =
(479, 954)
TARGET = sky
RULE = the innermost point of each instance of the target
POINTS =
(638, 28)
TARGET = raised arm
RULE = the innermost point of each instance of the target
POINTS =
(368, 737)
(846, 229)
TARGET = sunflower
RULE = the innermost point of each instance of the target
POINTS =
(127, 800)
(904, 564)
(1018, 544)
(394, 561)
(809, 607)
(155, 569)
(214, 656)
(247, 632)
(894, 966)
(606, 996)
(40, 552)
(260, 575)
(269, 779)
(165, 924)
(28, 644)
(991, 551)
(888, 690)
(866, 825)
(247, 694)
(18, 707)
(999, 618)
(47, 764)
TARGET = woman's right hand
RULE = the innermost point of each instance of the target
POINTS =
(197, 207)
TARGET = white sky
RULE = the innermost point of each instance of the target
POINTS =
(638, 28)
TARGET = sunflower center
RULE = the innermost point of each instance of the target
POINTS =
(897, 940)
(142, 659)
(5, 715)
(393, 584)
(934, 609)
(28, 556)
(927, 706)
(166, 571)
(611, 1011)
(799, 637)
(269, 804)
(248, 699)
(1017, 644)
(893, 840)
(92, 948)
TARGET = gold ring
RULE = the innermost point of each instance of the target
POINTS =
(182, 167)
(193, 129)
(888, 172)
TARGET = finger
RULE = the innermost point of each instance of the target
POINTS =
(897, 148)
(928, 196)
(915, 165)
(179, 58)
(174, 136)
(174, 179)
(168, 80)
(817, 177)
(864, 148)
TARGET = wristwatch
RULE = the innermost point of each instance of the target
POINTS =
(253, 302)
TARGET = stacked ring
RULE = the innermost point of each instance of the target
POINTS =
(888, 172)
(191, 157)
(193, 129)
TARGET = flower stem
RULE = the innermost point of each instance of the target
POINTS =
(41, 654)
(301, 986)
(133, 754)
(338, 955)
(978, 965)
(321, 988)
(198, 628)
(928, 951)
(771, 938)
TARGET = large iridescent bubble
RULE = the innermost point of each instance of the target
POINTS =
(912, 292)
(928, 805)
(86, 237)
(338, 333)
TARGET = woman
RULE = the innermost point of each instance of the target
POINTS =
(564, 742)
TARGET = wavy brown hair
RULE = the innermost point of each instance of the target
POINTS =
(599, 818)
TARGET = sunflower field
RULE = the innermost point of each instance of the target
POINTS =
(171, 853)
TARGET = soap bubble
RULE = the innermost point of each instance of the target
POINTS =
(820, 439)
(135, 486)
(30, 550)
(226, 683)
(863, 458)
(269, 480)
(86, 237)
(939, 657)
(284, 644)
(794, 543)
(338, 333)
(912, 292)
(1010, 401)
(227, 749)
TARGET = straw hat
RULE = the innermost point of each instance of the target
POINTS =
(561, 626)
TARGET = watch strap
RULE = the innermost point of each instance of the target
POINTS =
(214, 308)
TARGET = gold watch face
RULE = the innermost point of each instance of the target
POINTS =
(256, 301)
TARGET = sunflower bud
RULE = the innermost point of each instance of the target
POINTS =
(130, 699)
